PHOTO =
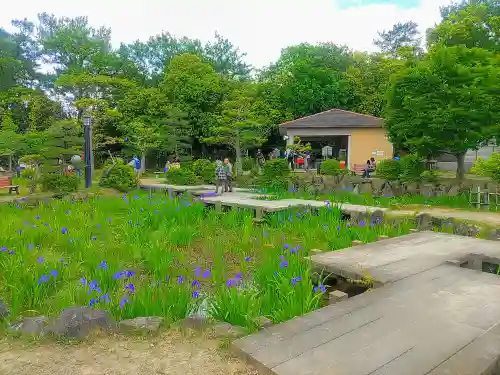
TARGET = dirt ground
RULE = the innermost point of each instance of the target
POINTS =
(170, 353)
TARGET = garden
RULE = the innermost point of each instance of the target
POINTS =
(142, 254)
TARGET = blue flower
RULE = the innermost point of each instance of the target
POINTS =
(320, 288)
(195, 294)
(93, 301)
(93, 238)
(43, 279)
(40, 260)
(248, 259)
(338, 228)
(37, 217)
(239, 276)
(362, 223)
(197, 271)
(83, 281)
(231, 282)
(54, 273)
(103, 265)
(180, 279)
(30, 246)
(105, 297)
(110, 220)
(286, 246)
(195, 284)
(124, 301)
(284, 264)
(64, 230)
(207, 274)
(12, 252)
(130, 287)
(3, 249)
(295, 280)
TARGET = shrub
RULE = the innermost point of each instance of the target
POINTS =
(412, 167)
(248, 164)
(119, 176)
(275, 174)
(181, 176)
(431, 177)
(389, 169)
(488, 168)
(331, 167)
(205, 170)
(59, 184)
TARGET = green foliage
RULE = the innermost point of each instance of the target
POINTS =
(119, 176)
(248, 163)
(275, 174)
(431, 177)
(59, 184)
(389, 169)
(205, 170)
(412, 167)
(181, 176)
(331, 167)
(488, 168)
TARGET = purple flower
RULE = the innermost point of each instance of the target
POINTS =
(294, 249)
(83, 281)
(54, 273)
(40, 260)
(3, 249)
(30, 246)
(180, 279)
(248, 259)
(197, 271)
(94, 238)
(286, 246)
(320, 288)
(284, 264)
(207, 274)
(93, 301)
(362, 223)
(195, 284)
(103, 265)
(43, 279)
(231, 282)
(124, 301)
(295, 280)
(105, 297)
(37, 217)
(12, 252)
(64, 230)
(239, 276)
(130, 287)
(195, 294)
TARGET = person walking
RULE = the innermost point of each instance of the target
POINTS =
(290, 156)
(229, 175)
(220, 177)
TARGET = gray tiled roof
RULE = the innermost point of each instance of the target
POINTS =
(335, 118)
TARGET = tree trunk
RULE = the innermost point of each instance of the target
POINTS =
(143, 162)
(460, 166)
(237, 150)
(10, 163)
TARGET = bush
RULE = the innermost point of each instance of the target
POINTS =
(248, 164)
(488, 168)
(119, 176)
(181, 176)
(389, 169)
(275, 174)
(431, 177)
(331, 167)
(412, 167)
(59, 184)
(205, 170)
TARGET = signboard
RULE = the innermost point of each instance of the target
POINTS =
(380, 153)
(327, 151)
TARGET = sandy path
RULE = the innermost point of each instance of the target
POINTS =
(170, 353)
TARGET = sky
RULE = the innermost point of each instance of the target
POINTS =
(260, 28)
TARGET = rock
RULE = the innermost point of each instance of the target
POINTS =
(3, 311)
(356, 242)
(78, 322)
(34, 326)
(196, 322)
(263, 322)
(464, 229)
(228, 331)
(145, 324)
(336, 296)
(424, 221)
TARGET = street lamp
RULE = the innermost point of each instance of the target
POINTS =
(88, 155)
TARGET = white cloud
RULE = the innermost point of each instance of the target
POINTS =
(259, 27)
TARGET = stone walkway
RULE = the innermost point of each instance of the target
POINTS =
(245, 198)
(431, 317)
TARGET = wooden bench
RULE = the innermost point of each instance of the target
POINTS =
(6, 183)
(359, 169)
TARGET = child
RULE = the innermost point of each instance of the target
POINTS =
(220, 177)
(229, 175)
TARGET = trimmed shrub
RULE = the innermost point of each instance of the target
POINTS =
(59, 184)
(181, 176)
(275, 174)
(205, 170)
(389, 169)
(488, 168)
(331, 167)
(119, 176)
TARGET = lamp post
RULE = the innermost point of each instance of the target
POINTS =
(88, 156)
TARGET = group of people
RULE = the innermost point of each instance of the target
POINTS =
(371, 165)
(223, 176)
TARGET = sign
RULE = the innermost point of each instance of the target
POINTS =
(326, 151)
(380, 153)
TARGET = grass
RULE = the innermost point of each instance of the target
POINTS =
(144, 255)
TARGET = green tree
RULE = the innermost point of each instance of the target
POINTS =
(446, 103)
(11, 141)
(61, 141)
(401, 35)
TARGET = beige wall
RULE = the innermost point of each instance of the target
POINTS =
(365, 141)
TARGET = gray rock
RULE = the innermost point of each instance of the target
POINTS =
(145, 324)
(3, 311)
(78, 322)
(424, 221)
(195, 322)
(225, 330)
(34, 326)
(263, 322)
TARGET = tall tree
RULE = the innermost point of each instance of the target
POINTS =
(447, 103)
(401, 35)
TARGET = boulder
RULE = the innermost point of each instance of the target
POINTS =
(143, 324)
(225, 330)
(78, 322)
(263, 322)
(424, 221)
(195, 322)
(34, 326)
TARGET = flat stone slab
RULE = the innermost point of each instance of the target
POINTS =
(396, 258)
(442, 320)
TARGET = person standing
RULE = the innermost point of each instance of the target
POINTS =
(229, 175)
(308, 160)
(220, 177)
(290, 156)
(260, 158)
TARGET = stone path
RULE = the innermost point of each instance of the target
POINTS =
(430, 318)
(245, 198)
